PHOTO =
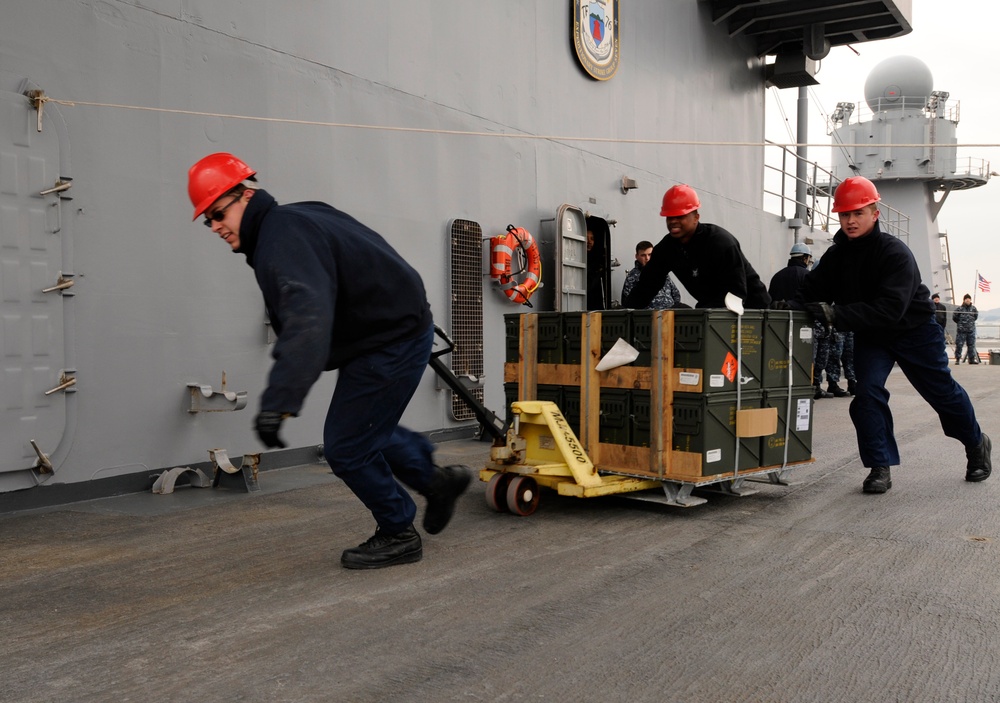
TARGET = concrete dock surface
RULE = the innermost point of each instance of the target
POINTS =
(807, 592)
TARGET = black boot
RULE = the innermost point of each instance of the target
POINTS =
(878, 481)
(835, 390)
(819, 392)
(852, 386)
(980, 464)
(383, 549)
(449, 483)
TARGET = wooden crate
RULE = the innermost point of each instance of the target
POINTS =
(661, 378)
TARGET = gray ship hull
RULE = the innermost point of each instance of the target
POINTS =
(153, 340)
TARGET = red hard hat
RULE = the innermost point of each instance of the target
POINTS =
(854, 193)
(679, 201)
(210, 178)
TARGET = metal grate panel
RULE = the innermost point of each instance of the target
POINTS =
(466, 309)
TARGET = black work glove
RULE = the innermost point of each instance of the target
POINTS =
(821, 312)
(779, 305)
(266, 425)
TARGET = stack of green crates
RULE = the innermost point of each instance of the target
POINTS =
(704, 423)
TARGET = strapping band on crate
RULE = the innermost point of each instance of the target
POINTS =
(739, 387)
(788, 404)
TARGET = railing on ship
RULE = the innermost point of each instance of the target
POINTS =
(780, 181)
(935, 106)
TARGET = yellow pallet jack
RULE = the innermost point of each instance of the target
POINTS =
(542, 450)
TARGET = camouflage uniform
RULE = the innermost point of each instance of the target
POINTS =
(842, 352)
(965, 318)
(821, 355)
(668, 297)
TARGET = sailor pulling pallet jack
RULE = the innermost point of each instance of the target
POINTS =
(339, 297)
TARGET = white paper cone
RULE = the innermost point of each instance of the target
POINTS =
(734, 303)
(619, 355)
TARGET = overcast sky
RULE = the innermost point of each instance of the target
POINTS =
(957, 41)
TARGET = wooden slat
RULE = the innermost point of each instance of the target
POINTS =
(662, 394)
(625, 459)
(528, 347)
(627, 377)
(590, 387)
(687, 387)
(635, 461)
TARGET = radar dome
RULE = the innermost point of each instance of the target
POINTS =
(898, 78)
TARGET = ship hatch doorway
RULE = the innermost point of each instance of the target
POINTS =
(563, 246)
(32, 334)
(598, 263)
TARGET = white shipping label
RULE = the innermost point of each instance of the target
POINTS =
(713, 455)
(716, 380)
(806, 333)
(686, 378)
(802, 415)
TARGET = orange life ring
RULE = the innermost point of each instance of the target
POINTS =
(503, 247)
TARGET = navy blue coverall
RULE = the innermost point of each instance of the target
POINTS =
(339, 297)
(875, 286)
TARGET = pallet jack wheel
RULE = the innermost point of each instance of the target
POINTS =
(496, 492)
(522, 495)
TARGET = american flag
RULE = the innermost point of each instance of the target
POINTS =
(983, 284)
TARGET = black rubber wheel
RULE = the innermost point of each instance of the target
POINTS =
(522, 495)
(496, 492)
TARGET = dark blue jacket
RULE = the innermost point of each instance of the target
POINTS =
(334, 290)
(785, 283)
(874, 283)
(710, 265)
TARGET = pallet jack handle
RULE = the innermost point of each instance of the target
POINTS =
(449, 345)
(491, 424)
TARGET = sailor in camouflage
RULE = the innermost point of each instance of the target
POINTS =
(668, 297)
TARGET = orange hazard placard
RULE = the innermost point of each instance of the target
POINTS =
(729, 367)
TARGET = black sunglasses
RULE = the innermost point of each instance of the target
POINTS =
(220, 214)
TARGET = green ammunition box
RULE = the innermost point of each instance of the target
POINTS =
(797, 418)
(705, 424)
(512, 332)
(784, 331)
(572, 336)
(640, 418)
(550, 338)
(614, 423)
(712, 341)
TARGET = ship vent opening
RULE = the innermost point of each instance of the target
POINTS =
(466, 310)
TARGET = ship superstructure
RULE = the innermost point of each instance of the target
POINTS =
(904, 138)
